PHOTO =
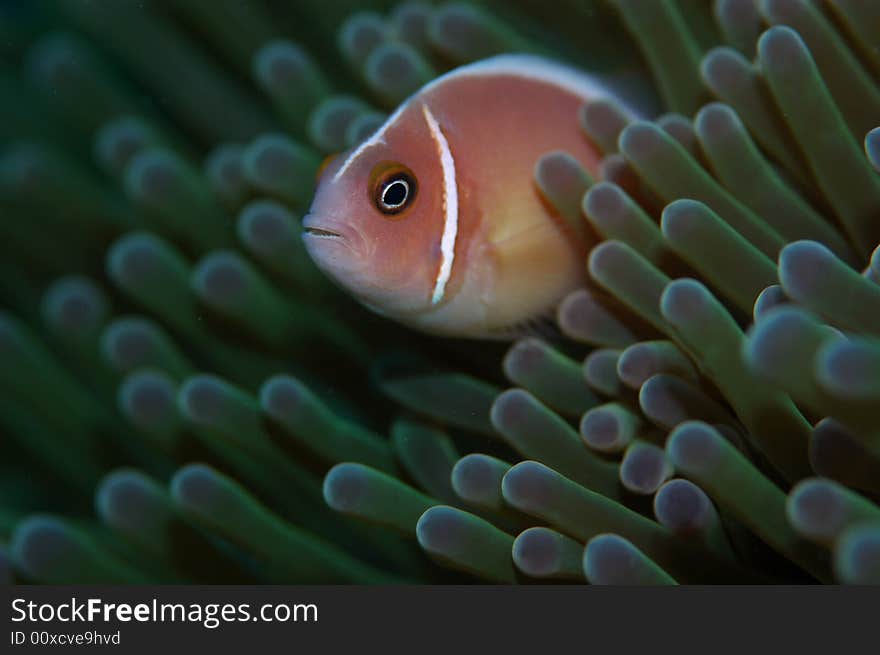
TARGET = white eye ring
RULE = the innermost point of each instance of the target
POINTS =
(391, 206)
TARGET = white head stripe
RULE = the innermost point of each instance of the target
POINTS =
(450, 206)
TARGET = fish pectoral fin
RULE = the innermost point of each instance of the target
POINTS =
(542, 326)
(526, 231)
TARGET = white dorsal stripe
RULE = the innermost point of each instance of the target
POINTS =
(450, 207)
(532, 67)
(529, 67)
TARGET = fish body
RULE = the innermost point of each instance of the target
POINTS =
(436, 221)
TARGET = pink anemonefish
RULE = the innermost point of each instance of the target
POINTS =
(436, 221)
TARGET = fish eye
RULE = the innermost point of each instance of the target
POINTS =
(395, 193)
(394, 189)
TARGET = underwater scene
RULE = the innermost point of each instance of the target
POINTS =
(383, 292)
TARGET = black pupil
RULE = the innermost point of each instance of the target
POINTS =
(395, 193)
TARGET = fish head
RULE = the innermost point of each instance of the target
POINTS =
(375, 225)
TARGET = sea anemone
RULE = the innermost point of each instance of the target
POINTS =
(184, 398)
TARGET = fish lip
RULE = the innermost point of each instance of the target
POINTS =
(322, 233)
(315, 228)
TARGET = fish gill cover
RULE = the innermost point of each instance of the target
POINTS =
(185, 398)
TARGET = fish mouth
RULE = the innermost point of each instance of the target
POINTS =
(334, 246)
(317, 227)
(322, 233)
